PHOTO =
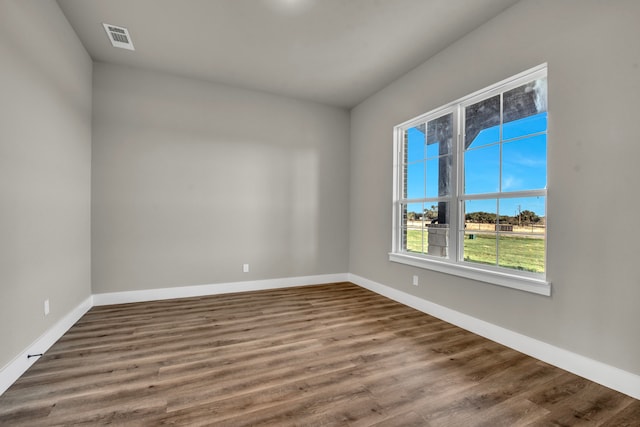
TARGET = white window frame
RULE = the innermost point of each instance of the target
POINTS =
(454, 264)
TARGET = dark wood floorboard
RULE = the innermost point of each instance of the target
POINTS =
(323, 355)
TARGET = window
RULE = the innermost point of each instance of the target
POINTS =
(470, 186)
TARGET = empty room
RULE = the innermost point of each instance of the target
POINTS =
(319, 212)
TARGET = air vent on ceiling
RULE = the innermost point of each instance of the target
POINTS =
(119, 36)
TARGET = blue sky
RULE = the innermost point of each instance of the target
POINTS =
(524, 154)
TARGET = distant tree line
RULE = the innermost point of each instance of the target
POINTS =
(429, 214)
(525, 217)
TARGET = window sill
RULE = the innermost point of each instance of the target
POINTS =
(523, 283)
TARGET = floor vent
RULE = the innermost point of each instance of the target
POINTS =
(119, 36)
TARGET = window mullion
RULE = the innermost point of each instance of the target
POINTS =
(459, 184)
(508, 195)
(500, 168)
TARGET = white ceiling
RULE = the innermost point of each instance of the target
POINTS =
(336, 52)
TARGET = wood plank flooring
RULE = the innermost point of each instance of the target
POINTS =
(325, 355)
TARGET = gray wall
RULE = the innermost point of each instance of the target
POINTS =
(594, 147)
(45, 168)
(193, 179)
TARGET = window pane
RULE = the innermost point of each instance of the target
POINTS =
(525, 253)
(431, 213)
(527, 126)
(415, 180)
(433, 150)
(413, 227)
(482, 122)
(522, 235)
(525, 109)
(526, 100)
(438, 176)
(440, 136)
(415, 141)
(524, 164)
(480, 231)
(482, 170)
(413, 215)
(414, 240)
(525, 213)
(437, 229)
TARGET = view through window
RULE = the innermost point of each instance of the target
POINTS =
(471, 181)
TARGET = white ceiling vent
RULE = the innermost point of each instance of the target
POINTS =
(119, 36)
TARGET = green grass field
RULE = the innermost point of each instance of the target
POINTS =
(520, 253)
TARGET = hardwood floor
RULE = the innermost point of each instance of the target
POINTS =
(319, 355)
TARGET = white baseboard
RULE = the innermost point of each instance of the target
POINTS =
(18, 366)
(601, 373)
(14, 369)
(214, 289)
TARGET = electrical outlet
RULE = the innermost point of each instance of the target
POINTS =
(46, 307)
(415, 280)
(245, 268)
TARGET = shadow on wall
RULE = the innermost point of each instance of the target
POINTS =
(279, 207)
